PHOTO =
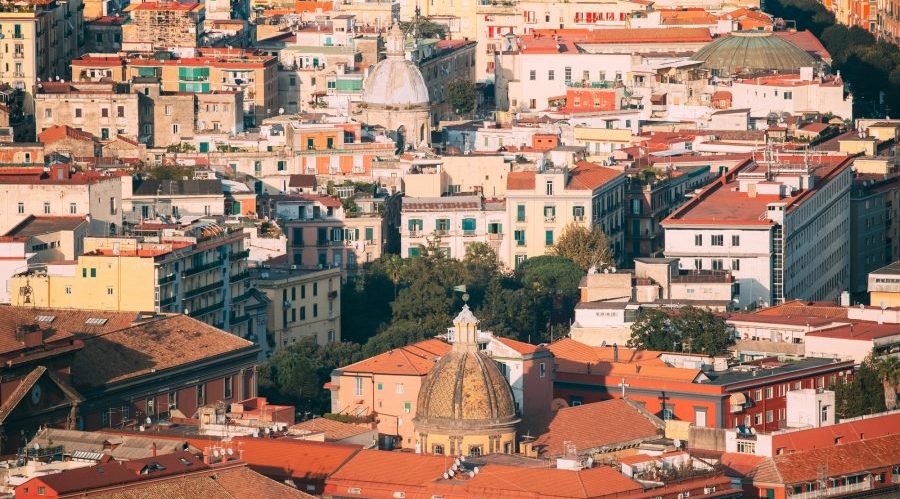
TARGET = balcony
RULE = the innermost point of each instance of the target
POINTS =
(167, 279)
(240, 255)
(237, 319)
(240, 298)
(166, 302)
(207, 310)
(495, 237)
(332, 295)
(835, 491)
(207, 266)
(549, 219)
(203, 289)
(240, 277)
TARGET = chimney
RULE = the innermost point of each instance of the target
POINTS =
(33, 337)
(154, 449)
(615, 352)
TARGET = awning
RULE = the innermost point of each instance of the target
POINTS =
(738, 399)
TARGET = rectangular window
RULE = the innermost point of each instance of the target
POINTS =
(717, 240)
(578, 213)
(399, 388)
(735, 240)
(201, 394)
(548, 238)
(46, 208)
(551, 75)
(717, 264)
(543, 369)
(520, 237)
(549, 188)
(532, 75)
(120, 111)
(698, 240)
(359, 386)
(21, 208)
(520, 213)
(735, 264)
(229, 387)
(104, 112)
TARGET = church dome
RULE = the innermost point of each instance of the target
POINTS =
(749, 51)
(465, 390)
(395, 81)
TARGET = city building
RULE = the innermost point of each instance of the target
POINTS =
(304, 303)
(102, 109)
(793, 94)
(780, 224)
(84, 369)
(611, 302)
(395, 96)
(322, 233)
(873, 227)
(199, 270)
(36, 240)
(44, 37)
(451, 223)
(884, 285)
(163, 25)
(25, 192)
(539, 205)
(712, 395)
(465, 404)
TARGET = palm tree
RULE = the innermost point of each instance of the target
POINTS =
(888, 369)
(393, 267)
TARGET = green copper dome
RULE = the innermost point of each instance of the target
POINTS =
(749, 51)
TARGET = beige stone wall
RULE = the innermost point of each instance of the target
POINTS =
(173, 118)
(102, 113)
(462, 443)
(161, 28)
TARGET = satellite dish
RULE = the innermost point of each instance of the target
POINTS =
(216, 452)
(149, 421)
(230, 451)
(280, 110)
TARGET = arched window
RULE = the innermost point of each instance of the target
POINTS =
(437, 449)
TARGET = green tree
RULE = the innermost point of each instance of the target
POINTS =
(554, 280)
(171, 172)
(887, 368)
(398, 334)
(862, 394)
(586, 246)
(653, 330)
(513, 311)
(701, 331)
(461, 96)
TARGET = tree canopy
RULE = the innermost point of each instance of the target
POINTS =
(586, 246)
(688, 329)
(462, 96)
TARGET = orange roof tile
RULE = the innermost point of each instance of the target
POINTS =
(520, 181)
(412, 360)
(839, 460)
(333, 430)
(400, 468)
(825, 437)
(59, 132)
(597, 425)
(520, 346)
(590, 176)
(510, 481)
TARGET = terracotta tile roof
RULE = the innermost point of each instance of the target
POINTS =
(152, 346)
(601, 424)
(825, 437)
(568, 352)
(687, 16)
(859, 331)
(590, 176)
(307, 181)
(400, 468)
(543, 482)
(223, 482)
(740, 464)
(520, 346)
(839, 460)
(59, 132)
(631, 35)
(413, 360)
(24, 387)
(806, 41)
(797, 307)
(519, 181)
(816, 127)
(37, 225)
(333, 430)
(65, 323)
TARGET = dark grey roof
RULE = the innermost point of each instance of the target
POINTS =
(734, 376)
(176, 187)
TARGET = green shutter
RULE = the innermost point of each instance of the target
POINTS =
(468, 224)
(370, 233)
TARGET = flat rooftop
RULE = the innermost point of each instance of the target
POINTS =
(890, 269)
(35, 226)
(736, 375)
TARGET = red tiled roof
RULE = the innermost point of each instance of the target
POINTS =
(400, 468)
(816, 127)
(511, 481)
(597, 425)
(806, 41)
(333, 430)
(413, 360)
(520, 181)
(520, 346)
(59, 132)
(839, 460)
(65, 323)
(307, 181)
(847, 432)
(859, 331)
(591, 176)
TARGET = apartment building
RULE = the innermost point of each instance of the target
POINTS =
(103, 34)
(39, 40)
(101, 109)
(793, 93)
(884, 285)
(199, 270)
(60, 192)
(164, 25)
(452, 223)
(781, 225)
(873, 223)
(304, 303)
(540, 204)
(253, 75)
(321, 233)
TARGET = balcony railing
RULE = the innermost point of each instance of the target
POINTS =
(167, 279)
(201, 268)
(834, 491)
(207, 310)
(240, 277)
(240, 255)
(203, 289)
(166, 302)
(237, 319)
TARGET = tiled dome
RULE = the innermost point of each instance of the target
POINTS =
(752, 51)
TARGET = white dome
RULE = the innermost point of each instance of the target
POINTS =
(395, 81)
